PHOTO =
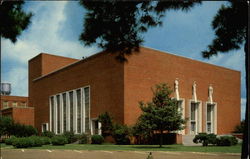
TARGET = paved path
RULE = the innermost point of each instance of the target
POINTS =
(78, 154)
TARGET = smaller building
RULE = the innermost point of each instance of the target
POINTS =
(17, 107)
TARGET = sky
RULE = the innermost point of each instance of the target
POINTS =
(56, 26)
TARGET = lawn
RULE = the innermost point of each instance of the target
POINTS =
(111, 147)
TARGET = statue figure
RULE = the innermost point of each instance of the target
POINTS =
(176, 86)
(210, 94)
(194, 92)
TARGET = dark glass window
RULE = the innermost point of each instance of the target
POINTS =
(79, 110)
(58, 113)
(71, 110)
(64, 112)
(87, 109)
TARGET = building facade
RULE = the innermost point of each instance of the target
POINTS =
(17, 107)
(69, 94)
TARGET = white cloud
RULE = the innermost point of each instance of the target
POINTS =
(43, 35)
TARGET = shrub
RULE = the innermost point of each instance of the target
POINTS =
(49, 134)
(36, 141)
(10, 140)
(23, 142)
(97, 139)
(59, 140)
(21, 130)
(70, 136)
(83, 139)
(121, 134)
(106, 124)
(205, 139)
(226, 141)
(46, 140)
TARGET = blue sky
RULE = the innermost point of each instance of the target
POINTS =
(56, 26)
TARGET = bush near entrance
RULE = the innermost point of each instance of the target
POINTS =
(207, 139)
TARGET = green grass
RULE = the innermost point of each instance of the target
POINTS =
(111, 147)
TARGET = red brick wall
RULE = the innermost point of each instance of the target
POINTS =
(44, 64)
(118, 88)
(151, 67)
(11, 99)
(104, 75)
(20, 115)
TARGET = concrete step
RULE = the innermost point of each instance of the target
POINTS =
(187, 140)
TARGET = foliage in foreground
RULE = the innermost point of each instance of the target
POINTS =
(8, 127)
(107, 124)
(121, 134)
(70, 136)
(59, 140)
(207, 139)
(97, 139)
(161, 114)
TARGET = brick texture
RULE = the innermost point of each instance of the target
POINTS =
(118, 87)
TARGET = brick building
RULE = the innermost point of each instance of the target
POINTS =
(17, 107)
(69, 94)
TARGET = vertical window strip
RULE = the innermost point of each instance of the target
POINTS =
(71, 109)
(78, 95)
(52, 113)
(64, 112)
(58, 114)
(87, 112)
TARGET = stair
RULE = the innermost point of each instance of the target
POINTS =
(187, 140)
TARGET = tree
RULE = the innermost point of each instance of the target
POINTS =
(6, 125)
(230, 26)
(117, 25)
(161, 114)
(13, 19)
(107, 124)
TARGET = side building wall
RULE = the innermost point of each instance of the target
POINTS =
(102, 73)
(150, 67)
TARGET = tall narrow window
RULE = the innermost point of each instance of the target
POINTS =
(58, 113)
(193, 118)
(79, 110)
(64, 112)
(210, 118)
(52, 113)
(71, 106)
(86, 92)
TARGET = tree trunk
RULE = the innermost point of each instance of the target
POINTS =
(161, 138)
(245, 145)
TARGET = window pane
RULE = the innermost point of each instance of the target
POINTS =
(209, 112)
(64, 112)
(209, 127)
(52, 113)
(58, 113)
(71, 110)
(78, 95)
(86, 92)
(193, 111)
(193, 125)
